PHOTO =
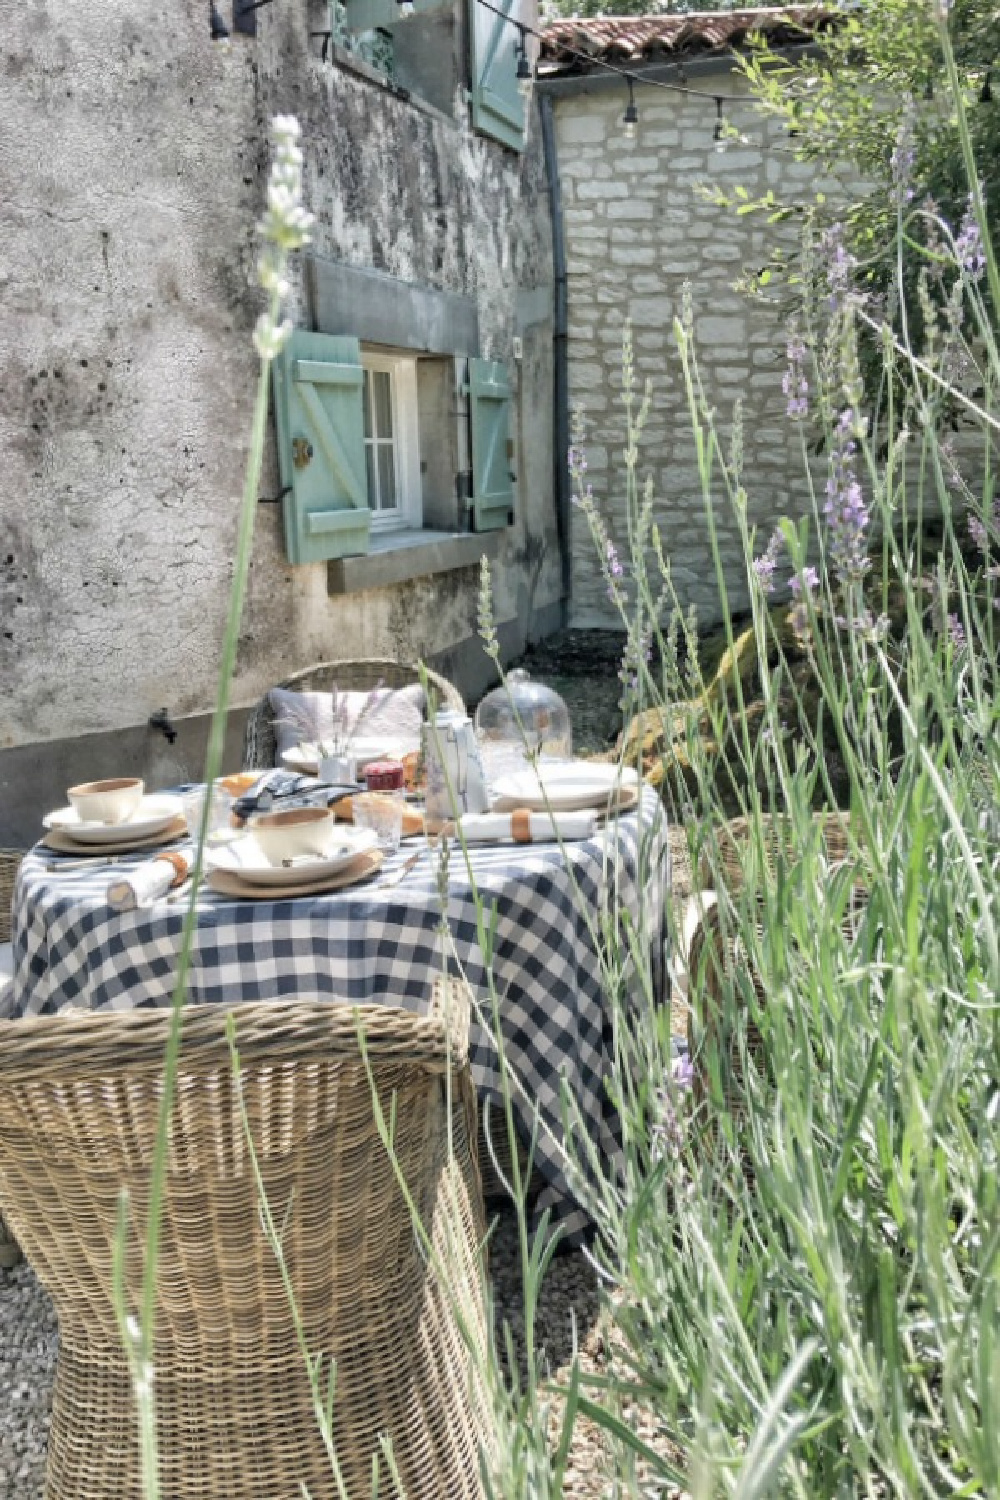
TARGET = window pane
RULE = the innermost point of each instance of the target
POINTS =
(372, 482)
(382, 395)
(367, 403)
(387, 476)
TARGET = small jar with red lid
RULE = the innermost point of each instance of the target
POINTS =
(384, 776)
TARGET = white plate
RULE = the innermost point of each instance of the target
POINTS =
(566, 787)
(244, 857)
(305, 757)
(153, 813)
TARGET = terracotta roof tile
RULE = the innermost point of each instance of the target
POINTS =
(633, 39)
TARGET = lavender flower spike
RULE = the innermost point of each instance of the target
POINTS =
(765, 565)
(846, 513)
(794, 383)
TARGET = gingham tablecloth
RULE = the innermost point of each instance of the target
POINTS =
(375, 943)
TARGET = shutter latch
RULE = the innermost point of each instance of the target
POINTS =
(302, 452)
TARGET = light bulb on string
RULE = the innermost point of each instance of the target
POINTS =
(630, 119)
(719, 133)
(986, 97)
(524, 74)
(405, 8)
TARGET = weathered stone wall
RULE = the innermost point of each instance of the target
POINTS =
(132, 170)
(637, 228)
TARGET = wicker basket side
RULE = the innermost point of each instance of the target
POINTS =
(725, 860)
(259, 748)
(78, 1111)
(10, 863)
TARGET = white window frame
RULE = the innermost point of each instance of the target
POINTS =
(402, 371)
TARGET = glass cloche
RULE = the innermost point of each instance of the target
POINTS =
(544, 725)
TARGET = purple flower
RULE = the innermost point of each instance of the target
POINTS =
(969, 246)
(840, 264)
(682, 1071)
(809, 581)
(956, 632)
(765, 565)
(980, 530)
(615, 568)
(794, 383)
(845, 509)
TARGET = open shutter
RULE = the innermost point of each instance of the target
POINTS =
(383, 15)
(497, 106)
(318, 401)
(489, 415)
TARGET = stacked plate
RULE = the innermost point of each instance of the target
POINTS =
(567, 786)
(158, 819)
(242, 869)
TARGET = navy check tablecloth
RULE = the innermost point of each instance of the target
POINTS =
(370, 944)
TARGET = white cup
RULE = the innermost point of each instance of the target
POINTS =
(292, 832)
(112, 801)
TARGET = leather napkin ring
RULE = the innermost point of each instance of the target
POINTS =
(179, 863)
(520, 825)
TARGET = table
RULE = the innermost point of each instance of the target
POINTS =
(387, 943)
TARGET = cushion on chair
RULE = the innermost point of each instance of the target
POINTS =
(311, 717)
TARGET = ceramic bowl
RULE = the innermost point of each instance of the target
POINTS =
(112, 801)
(293, 831)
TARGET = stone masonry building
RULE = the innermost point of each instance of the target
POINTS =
(640, 224)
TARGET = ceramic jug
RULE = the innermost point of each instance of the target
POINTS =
(456, 782)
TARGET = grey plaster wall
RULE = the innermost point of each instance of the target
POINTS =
(638, 226)
(132, 170)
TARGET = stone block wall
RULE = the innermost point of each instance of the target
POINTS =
(638, 227)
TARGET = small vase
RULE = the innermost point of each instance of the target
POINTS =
(338, 769)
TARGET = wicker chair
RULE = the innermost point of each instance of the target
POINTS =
(717, 954)
(259, 749)
(10, 863)
(78, 1105)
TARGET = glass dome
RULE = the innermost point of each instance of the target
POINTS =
(544, 720)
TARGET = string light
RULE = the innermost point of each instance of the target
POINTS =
(405, 8)
(986, 97)
(630, 119)
(719, 133)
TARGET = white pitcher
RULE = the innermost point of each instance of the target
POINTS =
(456, 782)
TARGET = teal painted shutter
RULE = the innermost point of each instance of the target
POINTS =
(489, 413)
(383, 15)
(497, 106)
(321, 446)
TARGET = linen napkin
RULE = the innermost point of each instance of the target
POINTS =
(147, 882)
(526, 827)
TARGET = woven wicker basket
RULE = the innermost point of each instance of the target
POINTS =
(78, 1109)
(726, 858)
(10, 863)
(717, 954)
(259, 749)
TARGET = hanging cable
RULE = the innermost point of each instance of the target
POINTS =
(630, 119)
(608, 67)
(525, 73)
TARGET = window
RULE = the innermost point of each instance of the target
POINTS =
(392, 462)
(349, 444)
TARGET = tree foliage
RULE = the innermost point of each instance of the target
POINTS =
(872, 109)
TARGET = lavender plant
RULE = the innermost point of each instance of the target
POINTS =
(803, 1252)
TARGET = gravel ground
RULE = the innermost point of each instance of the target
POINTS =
(582, 666)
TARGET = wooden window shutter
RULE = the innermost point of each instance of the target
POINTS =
(321, 447)
(497, 106)
(489, 416)
(383, 15)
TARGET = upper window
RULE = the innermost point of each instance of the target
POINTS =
(392, 462)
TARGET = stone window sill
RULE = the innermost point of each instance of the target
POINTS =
(397, 556)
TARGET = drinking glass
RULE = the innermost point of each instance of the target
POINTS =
(382, 812)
